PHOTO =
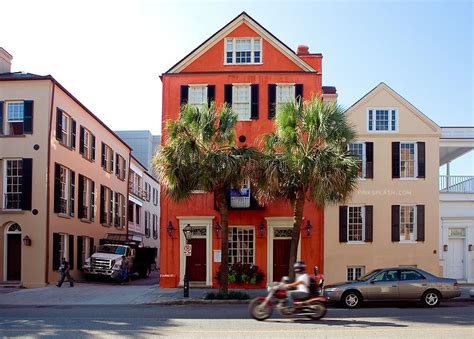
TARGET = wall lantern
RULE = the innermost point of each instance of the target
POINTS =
(170, 229)
(27, 241)
(217, 228)
(445, 248)
(261, 229)
(308, 228)
(188, 233)
(469, 248)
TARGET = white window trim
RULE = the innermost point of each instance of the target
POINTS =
(363, 225)
(252, 228)
(68, 133)
(353, 268)
(86, 200)
(390, 109)
(415, 163)
(5, 166)
(66, 189)
(6, 128)
(235, 87)
(364, 160)
(190, 86)
(414, 224)
(252, 55)
(65, 239)
(279, 85)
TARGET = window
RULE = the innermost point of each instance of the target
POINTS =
(358, 149)
(66, 128)
(137, 214)
(131, 207)
(382, 120)
(121, 211)
(86, 199)
(243, 51)
(355, 272)
(106, 206)
(241, 245)
(63, 246)
(135, 185)
(107, 158)
(284, 93)
(155, 226)
(147, 224)
(410, 275)
(64, 190)
(355, 223)
(407, 223)
(408, 160)
(197, 95)
(391, 275)
(12, 184)
(241, 101)
(15, 118)
(87, 146)
(86, 250)
(120, 166)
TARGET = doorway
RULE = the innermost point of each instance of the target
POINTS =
(455, 262)
(13, 252)
(281, 258)
(197, 261)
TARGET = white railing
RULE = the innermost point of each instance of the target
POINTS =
(456, 183)
(240, 202)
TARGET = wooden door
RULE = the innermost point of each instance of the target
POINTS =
(197, 261)
(281, 258)
(455, 258)
(13, 256)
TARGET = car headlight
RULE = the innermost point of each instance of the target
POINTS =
(333, 289)
(117, 265)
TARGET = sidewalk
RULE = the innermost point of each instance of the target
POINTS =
(102, 294)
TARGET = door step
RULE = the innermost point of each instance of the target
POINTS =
(10, 284)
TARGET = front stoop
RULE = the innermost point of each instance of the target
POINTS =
(10, 284)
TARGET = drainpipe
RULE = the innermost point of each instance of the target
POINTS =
(447, 175)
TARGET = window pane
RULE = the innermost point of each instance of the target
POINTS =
(15, 111)
(284, 93)
(358, 150)
(241, 245)
(197, 95)
(14, 180)
(370, 120)
(381, 120)
(407, 223)
(355, 223)
(407, 160)
(394, 122)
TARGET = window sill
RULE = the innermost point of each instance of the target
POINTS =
(88, 159)
(13, 136)
(66, 146)
(87, 221)
(357, 242)
(15, 211)
(198, 192)
(245, 120)
(63, 215)
(106, 225)
(242, 63)
(409, 179)
(408, 242)
(381, 132)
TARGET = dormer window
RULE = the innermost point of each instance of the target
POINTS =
(243, 51)
(382, 119)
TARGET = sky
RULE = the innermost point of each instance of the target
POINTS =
(110, 54)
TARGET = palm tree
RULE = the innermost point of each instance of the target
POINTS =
(199, 154)
(307, 158)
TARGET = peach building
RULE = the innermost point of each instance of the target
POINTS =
(392, 219)
(64, 178)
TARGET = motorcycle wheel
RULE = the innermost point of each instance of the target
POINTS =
(258, 311)
(318, 311)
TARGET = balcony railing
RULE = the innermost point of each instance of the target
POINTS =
(456, 183)
(240, 202)
(12, 201)
(138, 191)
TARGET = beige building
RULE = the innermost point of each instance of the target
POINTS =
(392, 218)
(63, 178)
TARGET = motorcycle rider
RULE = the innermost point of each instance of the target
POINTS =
(301, 283)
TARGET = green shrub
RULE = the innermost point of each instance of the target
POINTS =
(231, 295)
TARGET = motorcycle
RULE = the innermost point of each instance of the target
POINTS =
(261, 308)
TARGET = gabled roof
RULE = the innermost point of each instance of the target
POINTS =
(398, 97)
(224, 31)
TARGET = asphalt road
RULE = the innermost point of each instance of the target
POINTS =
(451, 320)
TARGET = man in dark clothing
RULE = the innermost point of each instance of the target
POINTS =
(64, 270)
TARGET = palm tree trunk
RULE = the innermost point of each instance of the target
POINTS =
(298, 206)
(223, 211)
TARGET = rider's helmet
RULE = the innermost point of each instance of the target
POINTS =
(299, 266)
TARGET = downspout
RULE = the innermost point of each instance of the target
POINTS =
(128, 193)
(46, 272)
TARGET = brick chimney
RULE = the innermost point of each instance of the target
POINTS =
(5, 61)
(302, 50)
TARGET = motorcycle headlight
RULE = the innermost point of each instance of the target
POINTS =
(333, 289)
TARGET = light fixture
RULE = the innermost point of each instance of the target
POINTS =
(308, 228)
(445, 248)
(217, 228)
(261, 229)
(170, 229)
(188, 232)
(27, 241)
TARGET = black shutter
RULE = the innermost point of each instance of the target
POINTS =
(102, 159)
(71, 251)
(211, 94)
(299, 92)
(369, 223)
(117, 165)
(116, 210)
(57, 188)
(123, 211)
(111, 207)
(79, 252)
(369, 160)
(56, 245)
(28, 117)
(91, 246)
(80, 198)
(102, 205)
(81, 140)
(420, 222)
(124, 168)
(93, 147)
(421, 159)
(59, 124)
(271, 101)
(342, 223)
(228, 94)
(73, 136)
(184, 95)
(26, 184)
(1, 117)
(111, 165)
(73, 195)
(395, 160)
(92, 212)
(395, 223)
(254, 110)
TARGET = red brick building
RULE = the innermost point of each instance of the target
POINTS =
(251, 69)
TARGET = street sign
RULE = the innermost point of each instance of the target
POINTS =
(187, 250)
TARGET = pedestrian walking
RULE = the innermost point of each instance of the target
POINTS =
(64, 270)
(125, 268)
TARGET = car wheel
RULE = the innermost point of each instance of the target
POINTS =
(352, 299)
(431, 298)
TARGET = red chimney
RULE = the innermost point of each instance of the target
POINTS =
(302, 50)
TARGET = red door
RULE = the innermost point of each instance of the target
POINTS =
(281, 258)
(13, 256)
(197, 261)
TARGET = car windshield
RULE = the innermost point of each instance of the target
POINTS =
(112, 249)
(368, 275)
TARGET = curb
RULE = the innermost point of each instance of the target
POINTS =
(198, 302)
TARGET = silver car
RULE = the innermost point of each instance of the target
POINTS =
(392, 284)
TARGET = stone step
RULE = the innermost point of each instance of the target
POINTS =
(10, 284)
